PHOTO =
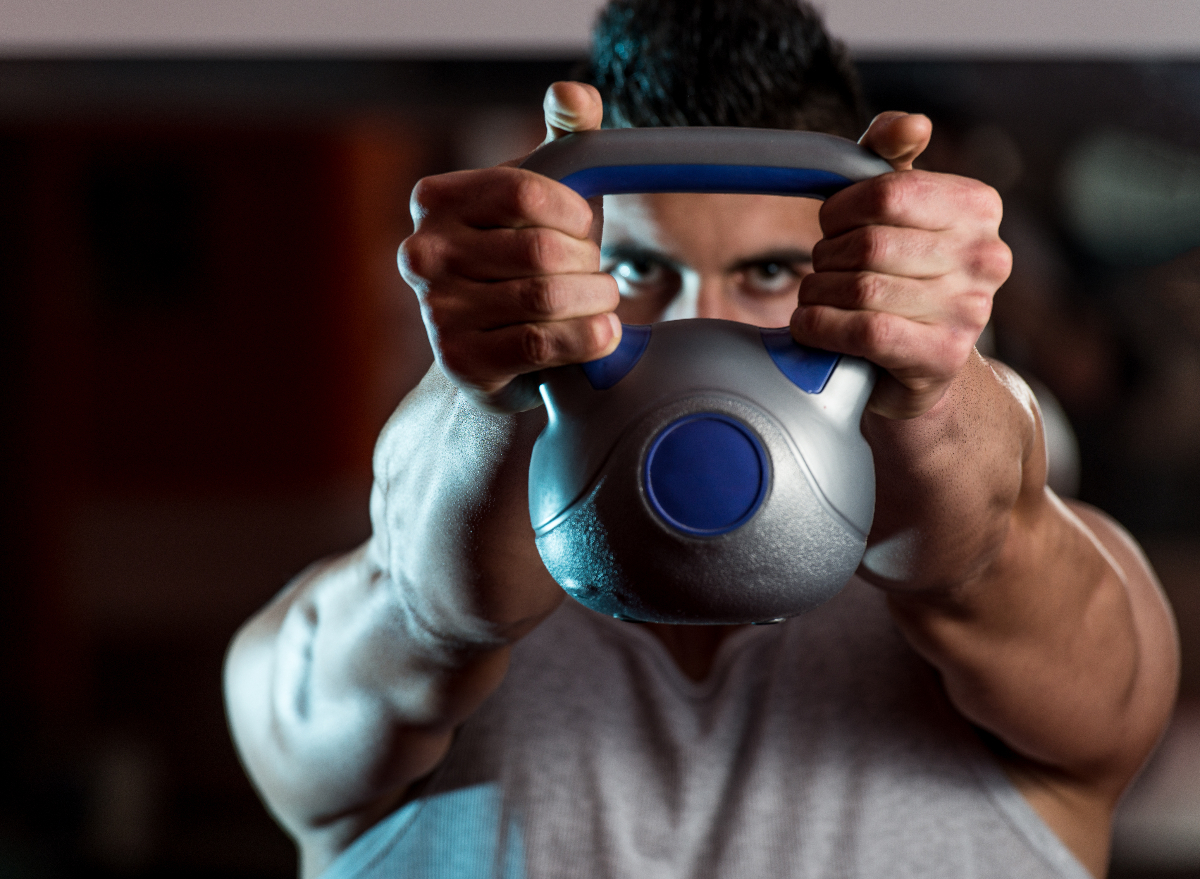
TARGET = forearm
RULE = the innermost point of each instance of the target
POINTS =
(450, 515)
(1041, 649)
(947, 483)
(1048, 631)
(335, 701)
(348, 686)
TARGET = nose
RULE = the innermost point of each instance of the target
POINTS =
(715, 299)
(703, 294)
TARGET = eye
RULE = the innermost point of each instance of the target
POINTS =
(771, 277)
(635, 274)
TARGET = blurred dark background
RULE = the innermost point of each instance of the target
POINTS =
(203, 331)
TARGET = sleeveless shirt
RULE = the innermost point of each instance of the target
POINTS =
(822, 747)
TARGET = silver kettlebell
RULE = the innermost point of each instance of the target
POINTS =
(707, 471)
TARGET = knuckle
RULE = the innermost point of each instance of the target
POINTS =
(527, 193)
(811, 286)
(987, 202)
(426, 196)
(806, 321)
(537, 345)
(417, 258)
(1000, 260)
(957, 349)
(989, 260)
(876, 333)
(889, 194)
(823, 253)
(539, 296)
(873, 245)
(599, 334)
(541, 248)
(866, 289)
(976, 312)
(610, 292)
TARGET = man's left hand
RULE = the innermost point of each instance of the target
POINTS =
(906, 271)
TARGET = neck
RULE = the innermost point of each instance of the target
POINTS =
(694, 648)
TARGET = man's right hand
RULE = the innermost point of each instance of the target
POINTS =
(506, 264)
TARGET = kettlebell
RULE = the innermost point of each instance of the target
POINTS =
(707, 471)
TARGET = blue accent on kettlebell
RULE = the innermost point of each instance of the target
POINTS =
(706, 474)
(616, 179)
(807, 368)
(602, 374)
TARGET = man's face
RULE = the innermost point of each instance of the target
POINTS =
(737, 257)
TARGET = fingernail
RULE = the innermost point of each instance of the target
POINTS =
(615, 323)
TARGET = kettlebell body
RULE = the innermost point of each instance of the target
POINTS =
(706, 472)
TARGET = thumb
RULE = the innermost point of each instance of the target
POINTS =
(898, 137)
(571, 107)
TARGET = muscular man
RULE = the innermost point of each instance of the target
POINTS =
(973, 703)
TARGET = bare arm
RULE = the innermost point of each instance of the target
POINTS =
(1047, 626)
(349, 685)
(1044, 620)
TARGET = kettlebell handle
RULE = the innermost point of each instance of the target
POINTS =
(762, 161)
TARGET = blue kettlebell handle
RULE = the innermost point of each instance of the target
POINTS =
(694, 159)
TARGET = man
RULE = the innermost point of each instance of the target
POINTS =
(973, 703)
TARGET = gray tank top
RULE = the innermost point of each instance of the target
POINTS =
(819, 748)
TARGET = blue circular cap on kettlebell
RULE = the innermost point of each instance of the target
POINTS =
(706, 474)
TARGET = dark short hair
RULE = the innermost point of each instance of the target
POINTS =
(750, 63)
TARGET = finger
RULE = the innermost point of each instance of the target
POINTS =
(886, 339)
(506, 254)
(919, 355)
(893, 399)
(892, 250)
(436, 264)
(907, 298)
(898, 137)
(500, 197)
(482, 307)
(912, 199)
(490, 359)
(570, 107)
(960, 312)
(915, 199)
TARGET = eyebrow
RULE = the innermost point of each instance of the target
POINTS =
(789, 256)
(630, 251)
